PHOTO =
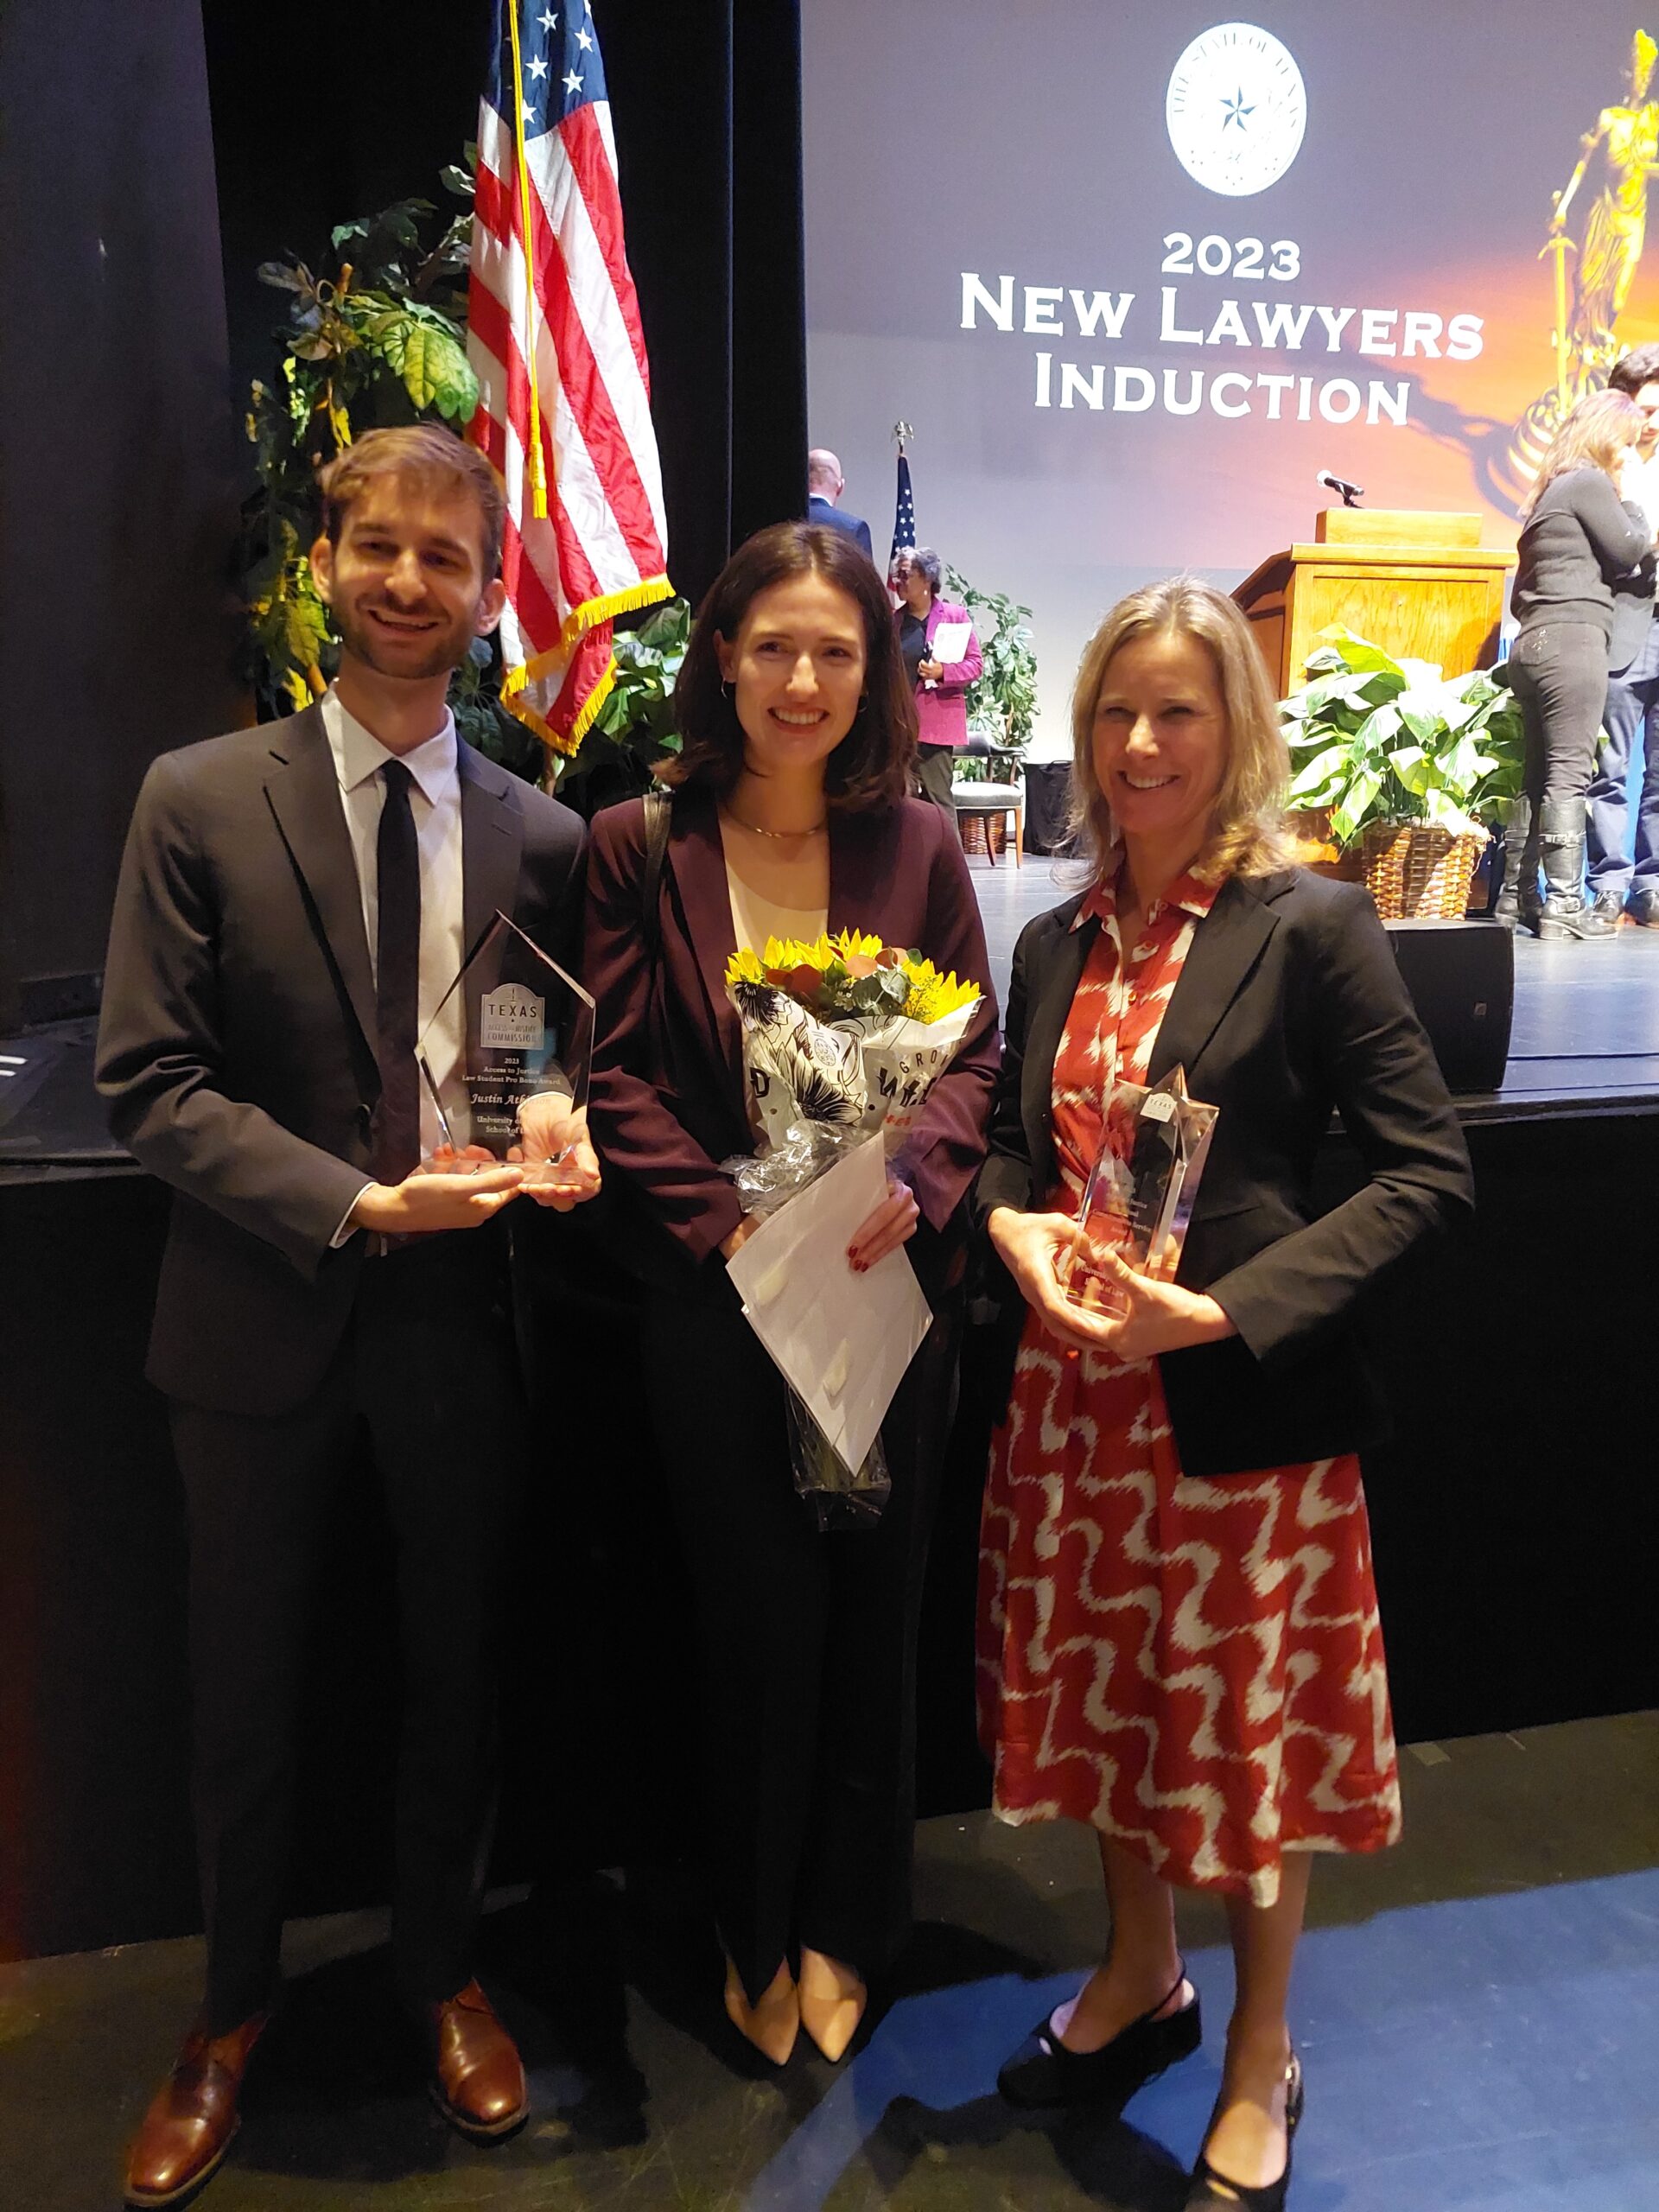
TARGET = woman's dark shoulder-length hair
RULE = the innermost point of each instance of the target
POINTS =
(874, 763)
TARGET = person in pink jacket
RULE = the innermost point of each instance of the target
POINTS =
(941, 682)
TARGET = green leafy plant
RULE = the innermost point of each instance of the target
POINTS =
(376, 334)
(634, 731)
(1373, 738)
(1002, 702)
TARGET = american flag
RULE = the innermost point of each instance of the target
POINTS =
(586, 538)
(904, 513)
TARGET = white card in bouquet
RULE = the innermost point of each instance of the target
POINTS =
(842, 1341)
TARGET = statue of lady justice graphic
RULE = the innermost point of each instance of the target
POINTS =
(1608, 253)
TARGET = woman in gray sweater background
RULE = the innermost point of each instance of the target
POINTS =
(1580, 540)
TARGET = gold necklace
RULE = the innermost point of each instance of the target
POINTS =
(755, 830)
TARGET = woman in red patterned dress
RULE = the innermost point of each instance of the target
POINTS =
(1180, 1637)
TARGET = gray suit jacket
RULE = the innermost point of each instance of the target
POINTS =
(236, 1046)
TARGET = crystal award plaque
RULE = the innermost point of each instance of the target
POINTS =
(511, 1028)
(1139, 1197)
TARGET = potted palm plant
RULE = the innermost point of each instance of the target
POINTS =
(1397, 770)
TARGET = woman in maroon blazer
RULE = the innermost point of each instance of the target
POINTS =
(789, 815)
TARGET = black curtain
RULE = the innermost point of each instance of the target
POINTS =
(705, 100)
(116, 468)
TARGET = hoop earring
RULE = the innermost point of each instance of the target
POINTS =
(725, 690)
(863, 702)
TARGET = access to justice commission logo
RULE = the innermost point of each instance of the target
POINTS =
(1235, 110)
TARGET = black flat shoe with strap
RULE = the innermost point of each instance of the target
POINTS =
(1213, 2192)
(1044, 2073)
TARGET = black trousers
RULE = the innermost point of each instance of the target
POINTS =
(807, 1641)
(936, 771)
(430, 1368)
(1559, 672)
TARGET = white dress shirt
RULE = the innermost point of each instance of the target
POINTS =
(435, 802)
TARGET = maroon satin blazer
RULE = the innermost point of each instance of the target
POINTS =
(667, 1102)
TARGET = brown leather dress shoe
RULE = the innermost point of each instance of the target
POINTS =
(193, 2116)
(477, 2080)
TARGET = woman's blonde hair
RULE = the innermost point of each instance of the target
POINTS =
(1590, 438)
(1246, 831)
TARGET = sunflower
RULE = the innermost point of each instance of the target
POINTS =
(833, 977)
(932, 995)
(743, 966)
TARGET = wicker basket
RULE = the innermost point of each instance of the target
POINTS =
(1310, 830)
(1415, 870)
(976, 829)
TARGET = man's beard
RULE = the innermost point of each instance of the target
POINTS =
(448, 645)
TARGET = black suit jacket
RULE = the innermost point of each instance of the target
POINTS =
(833, 517)
(236, 1046)
(1289, 1003)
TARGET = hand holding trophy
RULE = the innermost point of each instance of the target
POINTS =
(515, 1091)
(555, 1147)
(1131, 1226)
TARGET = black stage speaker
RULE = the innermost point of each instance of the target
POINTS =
(1461, 978)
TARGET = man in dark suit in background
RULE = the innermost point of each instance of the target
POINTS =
(294, 903)
(824, 486)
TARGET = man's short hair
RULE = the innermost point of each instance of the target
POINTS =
(428, 453)
(822, 470)
(1632, 370)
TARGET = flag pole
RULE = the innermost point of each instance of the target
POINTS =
(538, 471)
(904, 513)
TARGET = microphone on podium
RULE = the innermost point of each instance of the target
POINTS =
(1352, 494)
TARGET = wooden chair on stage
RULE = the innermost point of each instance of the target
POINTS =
(989, 801)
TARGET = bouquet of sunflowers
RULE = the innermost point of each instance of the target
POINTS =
(841, 1039)
(846, 1035)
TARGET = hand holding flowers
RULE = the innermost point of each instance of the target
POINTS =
(842, 1038)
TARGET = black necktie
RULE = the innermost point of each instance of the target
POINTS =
(397, 982)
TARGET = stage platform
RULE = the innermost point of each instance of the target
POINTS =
(1477, 2012)
(1585, 1037)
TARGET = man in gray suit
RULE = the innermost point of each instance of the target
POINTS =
(294, 903)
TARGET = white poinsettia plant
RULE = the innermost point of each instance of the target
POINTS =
(1374, 739)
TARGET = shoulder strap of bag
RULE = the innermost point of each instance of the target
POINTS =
(659, 809)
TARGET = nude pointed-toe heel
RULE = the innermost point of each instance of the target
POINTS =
(832, 2002)
(771, 2025)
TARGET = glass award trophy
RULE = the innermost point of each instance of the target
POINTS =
(505, 1059)
(1139, 1198)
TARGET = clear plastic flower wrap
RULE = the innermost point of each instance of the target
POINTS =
(840, 1038)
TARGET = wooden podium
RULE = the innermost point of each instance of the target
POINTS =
(1422, 585)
